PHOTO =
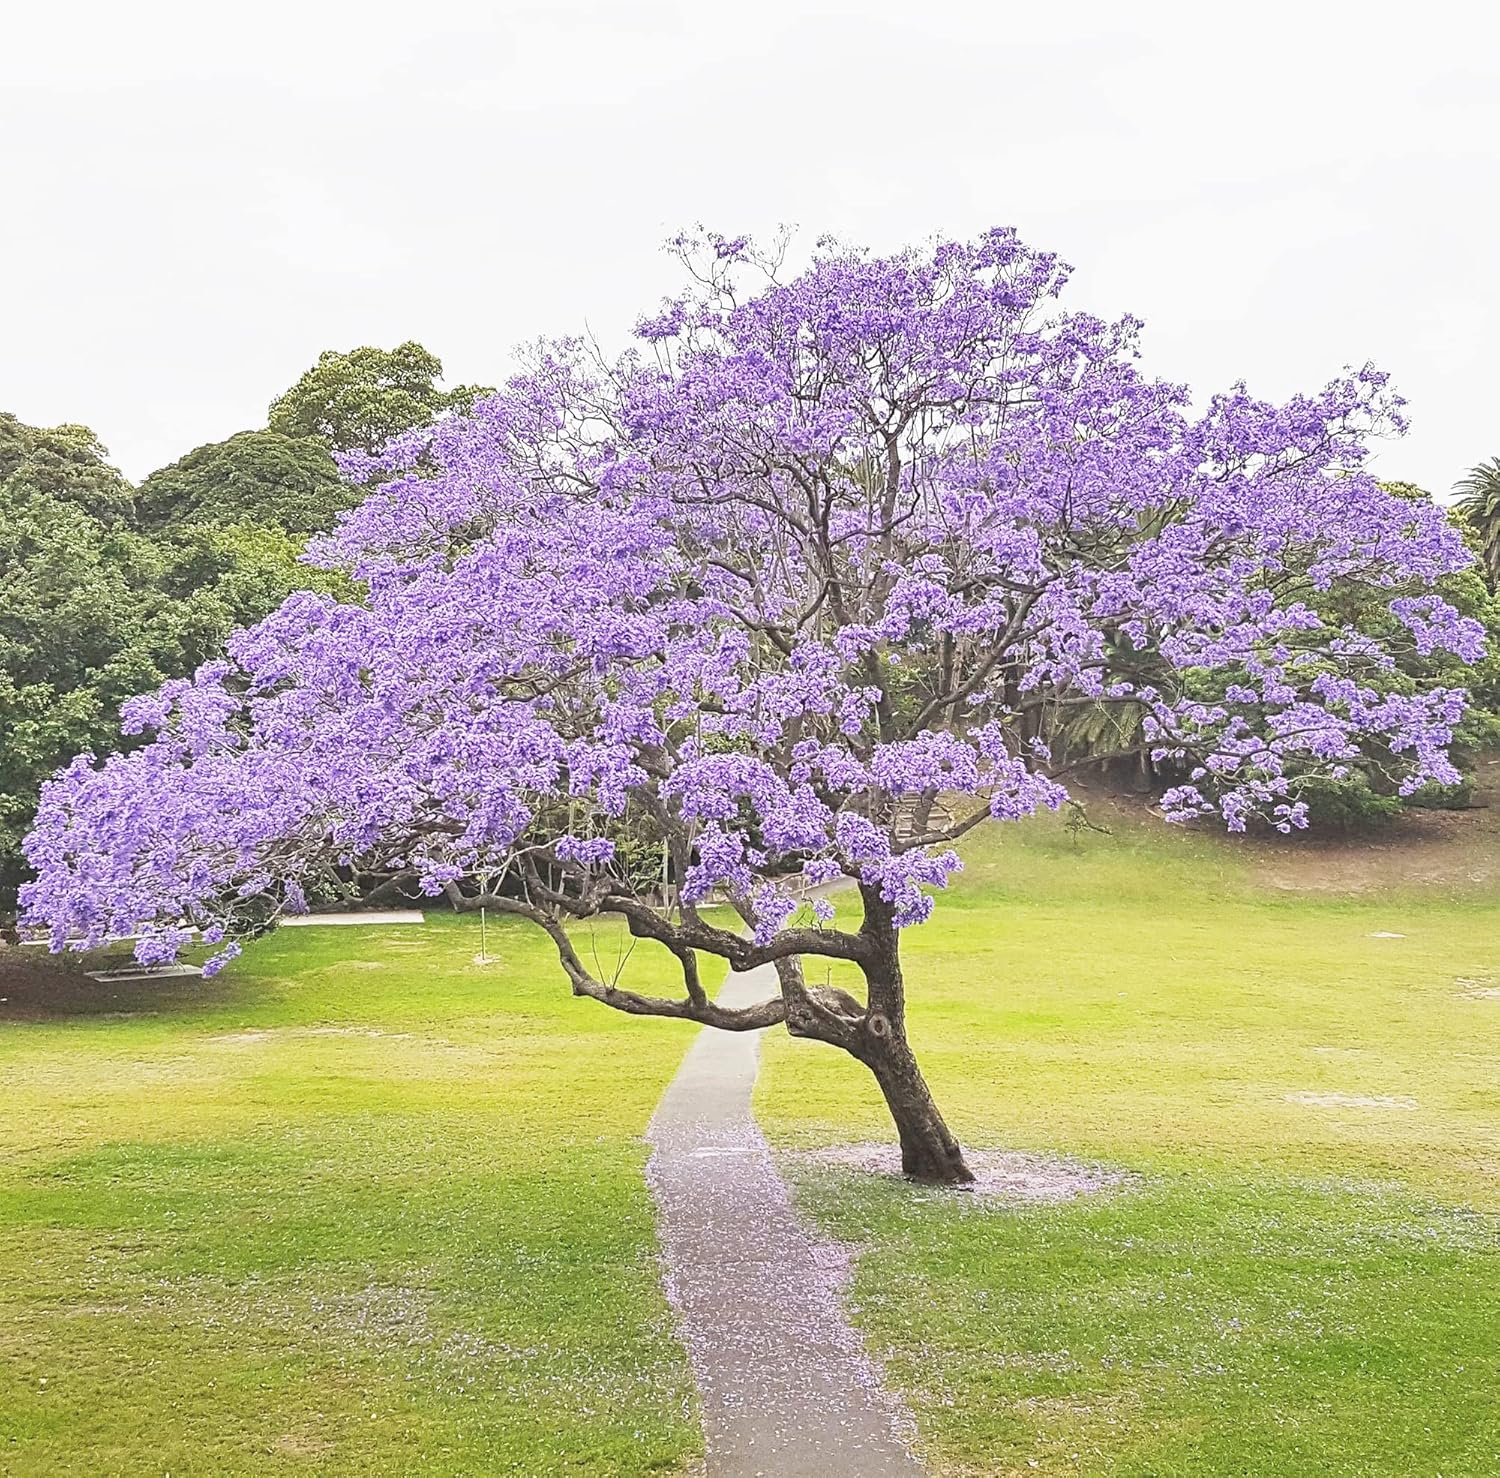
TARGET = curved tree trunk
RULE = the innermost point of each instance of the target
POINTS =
(874, 1032)
(928, 1149)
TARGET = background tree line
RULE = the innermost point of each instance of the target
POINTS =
(110, 589)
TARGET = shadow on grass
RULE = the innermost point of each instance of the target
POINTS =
(37, 987)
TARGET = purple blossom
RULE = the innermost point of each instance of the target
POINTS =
(761, 589)
(584, 849)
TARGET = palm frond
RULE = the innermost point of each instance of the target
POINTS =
(1479, 504)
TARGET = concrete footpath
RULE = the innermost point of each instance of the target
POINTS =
(787, 1389)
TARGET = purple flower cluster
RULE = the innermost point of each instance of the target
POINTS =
(800, 561)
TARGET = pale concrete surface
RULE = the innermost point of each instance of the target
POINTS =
(787, 1389)
(143, 972)
(372, 916)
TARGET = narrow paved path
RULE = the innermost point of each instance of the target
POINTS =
(787, 1389)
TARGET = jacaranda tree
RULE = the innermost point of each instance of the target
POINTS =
(722, 619)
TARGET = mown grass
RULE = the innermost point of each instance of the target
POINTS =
(1296, 1282)
(362, 1205)
(359, 1206)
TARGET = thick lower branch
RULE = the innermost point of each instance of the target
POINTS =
(646, 922)
(707, 1013)
(696, 1007)
(824, 1013)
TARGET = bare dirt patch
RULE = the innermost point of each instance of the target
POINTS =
(1000, 1175)
(1477, 987)
(1418, 848)
(1456, 849)
(254, 1036)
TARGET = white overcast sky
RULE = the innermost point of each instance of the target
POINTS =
(199, 198)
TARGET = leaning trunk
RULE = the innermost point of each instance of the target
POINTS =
(929, 1152)
(928, 1149)
(874, 1032)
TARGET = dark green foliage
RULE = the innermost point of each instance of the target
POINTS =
(99, 605)
(70, 598)
(64, 463)
(1355, 804)
(263, 477)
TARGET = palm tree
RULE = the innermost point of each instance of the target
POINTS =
(1480, 504)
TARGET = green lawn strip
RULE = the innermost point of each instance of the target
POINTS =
(1303, 1277)
(362, 1206)
(1195, 1324)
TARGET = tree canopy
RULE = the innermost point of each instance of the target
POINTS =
(359, 399)
(66, 465)
(787, 592)
(260, 477)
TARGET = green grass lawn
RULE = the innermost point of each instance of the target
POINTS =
(363, 1206)
(358, 1206)
(1296, 1283)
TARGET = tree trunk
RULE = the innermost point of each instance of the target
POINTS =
(929, 1152)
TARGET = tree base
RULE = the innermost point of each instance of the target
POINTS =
(936, 1165)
